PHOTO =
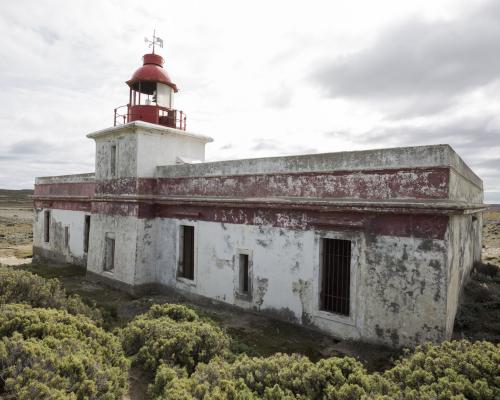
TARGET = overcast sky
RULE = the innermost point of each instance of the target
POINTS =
(262, 78)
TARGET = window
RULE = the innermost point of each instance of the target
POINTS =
(186, 252)
(244, 274)
(109, 254)
(86, 234)
(46, 226)
(113, 160)
(335, 276)
(66, 236)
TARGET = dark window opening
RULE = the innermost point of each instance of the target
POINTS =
(186, 252)
(244, 274)
(86, 234)
(66, 236)
(336, 276)
(46, 226)
(113, 160)
(109, 254)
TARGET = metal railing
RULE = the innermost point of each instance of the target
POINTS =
(165, 116)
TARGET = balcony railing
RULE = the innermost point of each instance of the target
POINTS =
(150, 113)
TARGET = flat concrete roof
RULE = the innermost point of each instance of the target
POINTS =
(441, 155)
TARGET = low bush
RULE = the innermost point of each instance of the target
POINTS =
(453, 370)
(50, 354)
(18, 286)
(280, 376)
(174, 335)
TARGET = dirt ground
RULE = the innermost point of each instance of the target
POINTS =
(15, 234)
(491, 236)
(16, 219)
(478, 317)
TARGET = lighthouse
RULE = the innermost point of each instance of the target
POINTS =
(151, 94)
(371, 245)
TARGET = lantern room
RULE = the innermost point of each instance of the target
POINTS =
(151, 96)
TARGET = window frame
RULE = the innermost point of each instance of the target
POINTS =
(180, 278)
(240, 294)
(66, 237)
(113, 160)
(47, 219)
(109, 238)
(357, 244)
(86, 233)
(338, 290)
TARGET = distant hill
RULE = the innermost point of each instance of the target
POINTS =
(18, 198)
(494, 207)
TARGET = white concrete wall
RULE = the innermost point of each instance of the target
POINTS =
(154, 150)
(398, 286)
(124, 230)
(464, 238)
(126, 156)
(56, 249)
(141, 147)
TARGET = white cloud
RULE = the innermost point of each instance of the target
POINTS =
(244, 74)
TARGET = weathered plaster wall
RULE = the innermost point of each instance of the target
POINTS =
(125, 232)
(464, 248)
(74, 178)
(142, 146)
(465, 188)
(126, 156)
(56, 249)
(409, 183)
(398, 293)
(405, 289)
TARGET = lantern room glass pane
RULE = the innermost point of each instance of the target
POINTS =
(164, 95)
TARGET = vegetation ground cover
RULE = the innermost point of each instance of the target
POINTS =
(255, 357)
(47, 353)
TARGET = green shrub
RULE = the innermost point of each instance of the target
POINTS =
(50, 354)
(456, 369)
(18, 286)
(172, 334)
(280, 376)
(453, 370)
(176, 312)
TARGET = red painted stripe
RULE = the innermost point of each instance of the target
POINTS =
(64, 205)
(420, 226)
(417, 183)
(65, 189)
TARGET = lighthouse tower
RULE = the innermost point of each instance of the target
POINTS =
(148, 131)
(151, 94)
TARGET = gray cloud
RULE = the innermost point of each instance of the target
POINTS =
(421, 65)
(468, 134)
(32, 146)
(264, 144)
(492, 197)
(475, 139)
(280, 97)
(281, 148)
(48, 36)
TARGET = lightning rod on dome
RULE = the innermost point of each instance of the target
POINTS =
(156, 40)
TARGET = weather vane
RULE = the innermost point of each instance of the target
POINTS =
(156, 40)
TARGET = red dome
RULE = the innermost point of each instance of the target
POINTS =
(151, 71)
